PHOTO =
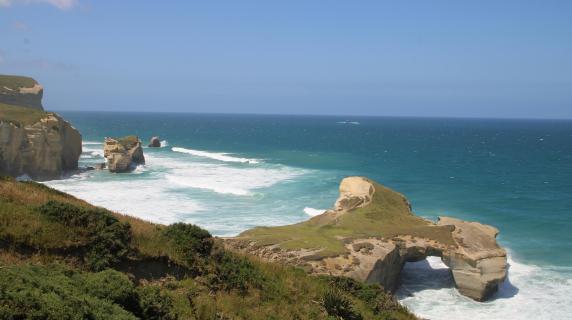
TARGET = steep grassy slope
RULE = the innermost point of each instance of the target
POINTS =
(388, 215)
(61, 257)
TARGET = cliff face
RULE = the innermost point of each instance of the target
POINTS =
(42, 150)
(21, 91)
(33, 142)
(371, 233)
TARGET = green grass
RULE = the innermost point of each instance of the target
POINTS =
(15, 82)
(128, 142)
(47, 238)
(20, 115)
(387, 216)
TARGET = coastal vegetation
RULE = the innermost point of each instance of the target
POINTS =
(62, 258)
(20, 116)
(10, 83)
(388, 215)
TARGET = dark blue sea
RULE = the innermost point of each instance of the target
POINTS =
(228, 173)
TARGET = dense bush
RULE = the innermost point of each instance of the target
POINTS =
(154, 305)
(107, 238)
(112, 286)
(372, 294)
(235, 272)
(338, 306)
(190, 243)
(53, 292)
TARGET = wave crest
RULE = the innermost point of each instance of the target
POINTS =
(225, 157)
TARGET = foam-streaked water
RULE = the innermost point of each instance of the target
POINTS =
(230, 173)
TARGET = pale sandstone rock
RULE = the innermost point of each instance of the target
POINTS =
(42, 150)
(477, 262)
(122, 157)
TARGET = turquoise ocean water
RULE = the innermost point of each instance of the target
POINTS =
(228, 173)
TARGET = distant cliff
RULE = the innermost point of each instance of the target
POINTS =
(21, 91)
(33, 142)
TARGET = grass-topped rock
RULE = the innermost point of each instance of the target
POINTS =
(21, 91)
(33, 142)
(369, 235)
(123, 154)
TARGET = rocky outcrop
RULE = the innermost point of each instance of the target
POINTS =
(21, 91)
(154, 142)
(124, 154)
(371, 233)
(43, 149)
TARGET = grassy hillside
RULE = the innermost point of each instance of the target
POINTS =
(388, 215)
(62, 258)
(20, 115)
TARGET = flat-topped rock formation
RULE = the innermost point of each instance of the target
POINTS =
(371, 233)
(33, 142)
(123, 154)
(21, 91)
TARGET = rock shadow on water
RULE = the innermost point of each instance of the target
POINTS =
(435, 275)
(421, 275)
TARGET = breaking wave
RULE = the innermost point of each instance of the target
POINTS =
(225, 157)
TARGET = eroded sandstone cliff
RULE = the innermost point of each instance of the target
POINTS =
(371, 233)
(43, 149)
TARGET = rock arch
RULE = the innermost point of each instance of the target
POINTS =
(371, 233)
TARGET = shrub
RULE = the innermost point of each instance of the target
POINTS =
(52, 292)
(372, 294)
(191, 243)
(154, 305)
(113, 286)
(339, 306)
(107, 238)
(235, 272)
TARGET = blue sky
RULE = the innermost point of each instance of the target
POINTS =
(409, 58)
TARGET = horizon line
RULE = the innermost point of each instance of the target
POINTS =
(317, 115)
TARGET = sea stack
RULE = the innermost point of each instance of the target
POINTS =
(371, 233)
(123, 154)
(154, 142)
(39, 144)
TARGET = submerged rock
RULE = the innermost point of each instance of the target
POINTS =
(154, 142)
(371, 233)
(123, 154)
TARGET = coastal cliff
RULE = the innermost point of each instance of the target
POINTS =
(33, 142)
(21, 91)
(371, 233)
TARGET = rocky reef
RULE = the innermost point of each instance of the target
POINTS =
(372, 232)
(39, 144)
(123, 154)
(21, 91)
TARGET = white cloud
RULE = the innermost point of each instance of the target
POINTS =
(60, 4)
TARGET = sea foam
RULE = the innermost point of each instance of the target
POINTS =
(225, 157)
(531, 292)
(313, 212)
